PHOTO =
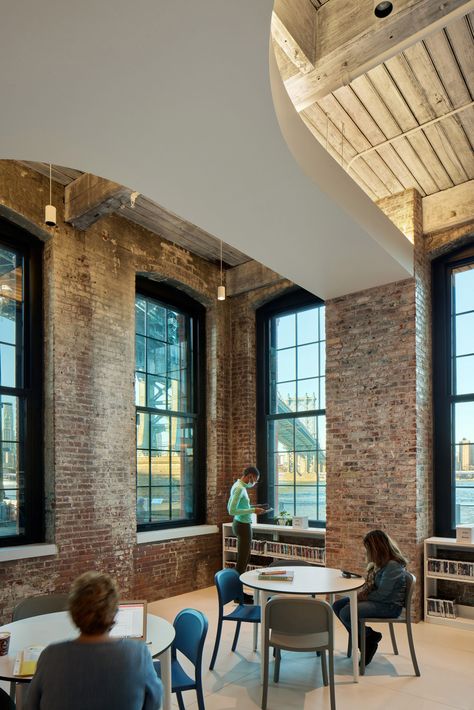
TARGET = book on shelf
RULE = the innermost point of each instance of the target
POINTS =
(27, 660)
(277, 575)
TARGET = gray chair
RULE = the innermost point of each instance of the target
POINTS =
(42, 604)
(404, 618)
(298, 624)
(6, 703)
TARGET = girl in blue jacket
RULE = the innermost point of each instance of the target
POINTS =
(383, 594)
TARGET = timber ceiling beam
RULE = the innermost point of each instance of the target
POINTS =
(88, 198)
(250, 276)
(293, 28)
(449, 208)
(350, 40)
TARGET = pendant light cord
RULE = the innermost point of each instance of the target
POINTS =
(50, 197)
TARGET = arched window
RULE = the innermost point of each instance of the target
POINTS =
(21, 412)
(169, 398)
(291, 404)
(453, 389)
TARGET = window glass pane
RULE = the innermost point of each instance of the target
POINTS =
(284, 499)
(176, 327)
(182, 502)
(160, 503)
(322, 358)
(286, 365)
(322, 393)
(465, 334)
(307, 326)
(182, 471)
(308, 361)
(140, 311)
(306, 501)
(306, 434)
(182, 435)
(160, 432)
(465, 375)
(140, 389)
(143, 430)
(283, 468)
(308, 394)
(7, 365)
(464, 422)
(286, 397)
(143, 505)
(156, 357)
(10, 413)
(322, 323)
(285, 331)
(8, 319)
(143, 468)
(464, 285)
(156, 392)
(306, 468)
(280, 435)
(160, 468)
(140, 353)
(156, 320)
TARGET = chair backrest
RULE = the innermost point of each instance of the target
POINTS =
(6, 703)
(43, 604)
(290, 562)
(299, 616)
(229, 586)
(410, 588)
(190, 626)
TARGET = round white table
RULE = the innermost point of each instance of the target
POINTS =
(49, 628)
(309, 580)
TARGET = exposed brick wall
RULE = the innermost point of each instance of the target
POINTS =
(89, 285)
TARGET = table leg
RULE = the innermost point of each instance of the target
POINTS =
(354, 634)
(256, 601)
(264, 596)
(165, 659)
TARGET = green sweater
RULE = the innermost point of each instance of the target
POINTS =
(239, 503)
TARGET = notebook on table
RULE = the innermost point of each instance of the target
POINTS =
(26, 661)
(277, 575)
(130, 621)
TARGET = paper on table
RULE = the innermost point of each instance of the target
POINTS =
(27, 660)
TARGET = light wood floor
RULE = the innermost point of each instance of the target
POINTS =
(445, 656)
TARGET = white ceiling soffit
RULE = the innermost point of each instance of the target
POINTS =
(172, 98)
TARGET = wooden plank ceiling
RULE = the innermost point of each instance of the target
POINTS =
(158, 220)
(429, 79)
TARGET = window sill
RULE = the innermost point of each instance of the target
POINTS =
(23, 552)
(175, 533)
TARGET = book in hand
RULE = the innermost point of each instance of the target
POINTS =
(277, 575)
(27, 660)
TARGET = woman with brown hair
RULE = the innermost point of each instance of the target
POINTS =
(95, 671)
(383, 593)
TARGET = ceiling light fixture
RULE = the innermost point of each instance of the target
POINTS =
(50, 210)
(221, 288)
(382, 9)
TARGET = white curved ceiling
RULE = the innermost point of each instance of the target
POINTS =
(172, 98)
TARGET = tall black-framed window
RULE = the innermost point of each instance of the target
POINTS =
(453, 389)
(170, 412)
(291, 409)
(21, 417)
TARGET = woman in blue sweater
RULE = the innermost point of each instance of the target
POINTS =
(383, 594)
(95, 671)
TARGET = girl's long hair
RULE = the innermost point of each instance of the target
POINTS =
(380, 550)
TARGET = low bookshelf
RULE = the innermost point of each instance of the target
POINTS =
(449, 582)
(276, 542)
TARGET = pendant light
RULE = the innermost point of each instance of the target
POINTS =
(50, 210)
(221, 288)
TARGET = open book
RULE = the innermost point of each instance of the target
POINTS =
(27, 660)
(277, 575)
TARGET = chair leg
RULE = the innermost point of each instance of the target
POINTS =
(179, 697)
(200, 696)
(332, 690)
(276, 670)
(412, 649)
(362, 649)
(349, 646)
(236, 636)
(394, 640)
(265, 677)
(324, 667)
(216, 645)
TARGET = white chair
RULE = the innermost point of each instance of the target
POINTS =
(298, 624)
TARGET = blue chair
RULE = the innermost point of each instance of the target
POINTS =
(190, 627)
(230, 588)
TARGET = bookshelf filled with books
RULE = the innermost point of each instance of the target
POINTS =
(449, 582)
(272, 542)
